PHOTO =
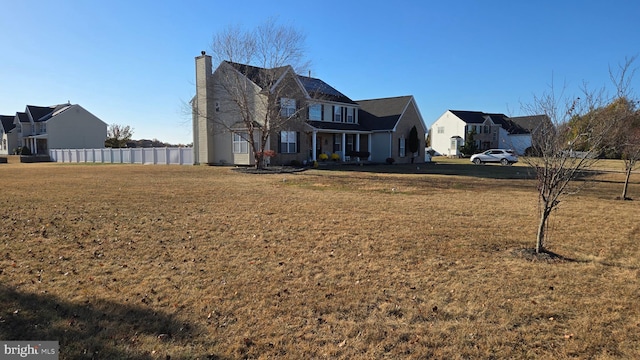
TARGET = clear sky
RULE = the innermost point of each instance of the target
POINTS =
(131, 62)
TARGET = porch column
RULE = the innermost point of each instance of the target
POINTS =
(369, 146)
(314, 142)
(344, 145)
(358, 142)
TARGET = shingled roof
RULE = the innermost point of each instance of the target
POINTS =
(319, 89)
(264, 78)
(382, 114)
(7, 122)
(39, 112)
(22, 117)
(479, 117)
(530, 122)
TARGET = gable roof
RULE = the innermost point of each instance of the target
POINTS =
(37, 113)
(319, 89)
(382, 114)
(530, 122)
(264, 78)
(479, 117)
(476, 117)
(6, 121)
(22, 117)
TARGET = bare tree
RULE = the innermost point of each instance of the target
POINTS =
(568, 145)
(557, 163)
(257, 82)
(118, 135)
(630, 153)
(625, 140)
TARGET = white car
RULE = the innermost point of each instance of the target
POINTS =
(502, 156)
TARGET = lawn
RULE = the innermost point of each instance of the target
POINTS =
(412, 261)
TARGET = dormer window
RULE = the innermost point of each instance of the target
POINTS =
(287, 107)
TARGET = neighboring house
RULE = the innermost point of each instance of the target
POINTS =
(325, 121)
(65, 126)
(450, 131)
(8, 137)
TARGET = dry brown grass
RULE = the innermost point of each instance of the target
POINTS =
(127, 261)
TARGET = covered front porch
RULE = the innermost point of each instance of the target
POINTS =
(36, 144)
(347, 145)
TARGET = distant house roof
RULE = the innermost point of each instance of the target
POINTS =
(6, 121)
(509, 124)
(44, 113)
(475, 117)
(39, 112)
(22, 117)
(382, 114)
(530, 122)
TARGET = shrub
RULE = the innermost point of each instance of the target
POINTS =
(23, 150)
(390, 160)
(335, 157)
(323, 157)
(295, 163)
(358, 154)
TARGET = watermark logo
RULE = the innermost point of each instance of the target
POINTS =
(43, 350)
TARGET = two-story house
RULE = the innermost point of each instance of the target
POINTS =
(64, 126)
(316, 118)
(8, 137)
(449, 132)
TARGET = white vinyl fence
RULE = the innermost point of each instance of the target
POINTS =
(161, 156)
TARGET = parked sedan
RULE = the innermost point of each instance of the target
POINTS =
(504, 157)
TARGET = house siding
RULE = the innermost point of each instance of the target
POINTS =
(381, 146)
(76, 128)
(453, 126)
(409, 119)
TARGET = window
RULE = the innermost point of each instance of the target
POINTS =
(337, 113)
(315, 112)
(350, 140)
(337, 142)
(287, 107)
(350, 116)
(288, 143)
(43, 127)
(240, 143)
(402, 147)
(440, 129)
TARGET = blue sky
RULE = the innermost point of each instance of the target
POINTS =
(132, 62)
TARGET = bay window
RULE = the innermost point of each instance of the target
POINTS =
(240, 143)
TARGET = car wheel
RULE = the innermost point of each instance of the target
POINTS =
(477, 161)
(504, 162)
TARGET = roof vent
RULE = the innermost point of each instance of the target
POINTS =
(203, 52)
